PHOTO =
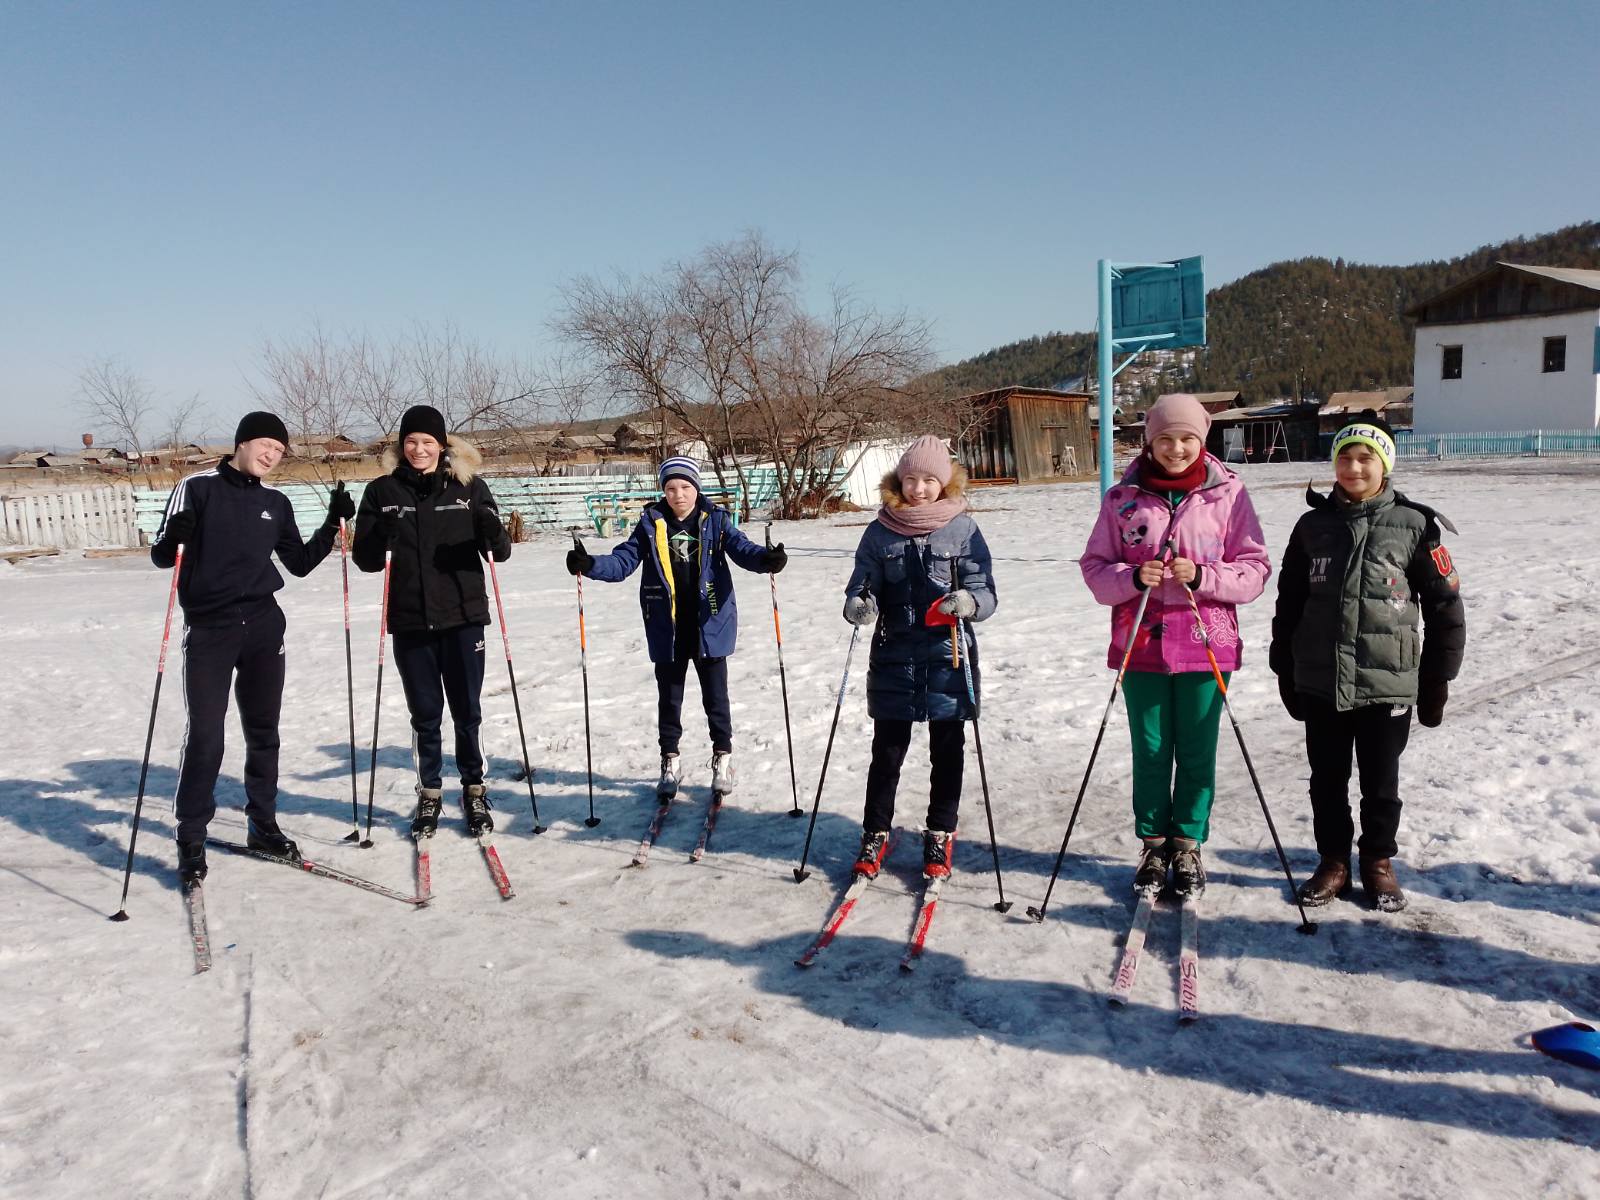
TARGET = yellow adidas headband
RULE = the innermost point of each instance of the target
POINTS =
(1367, 435)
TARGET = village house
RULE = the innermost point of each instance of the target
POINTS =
(1513, 348)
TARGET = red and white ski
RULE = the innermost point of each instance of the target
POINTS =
(641, 856)
(424, 869)
(497, 870)
(841, 910)
(932, 886)
(699, 850)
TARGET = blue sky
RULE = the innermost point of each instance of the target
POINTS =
(180, 182)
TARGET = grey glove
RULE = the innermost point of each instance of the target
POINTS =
(960, 604)
(860, 610)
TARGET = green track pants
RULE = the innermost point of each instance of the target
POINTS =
(1173, 720)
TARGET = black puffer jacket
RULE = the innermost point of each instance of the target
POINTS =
(1352, 584)
(437, 574)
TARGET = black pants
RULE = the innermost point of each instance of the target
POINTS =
(212, 655)
(1378, 734)
(946, 746)
(447, 664)
(713, 673)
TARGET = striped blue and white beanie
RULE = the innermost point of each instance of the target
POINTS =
(680, 467)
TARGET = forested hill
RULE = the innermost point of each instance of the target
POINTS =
(1325, 325)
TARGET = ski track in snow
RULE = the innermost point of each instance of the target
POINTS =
(614, 1032)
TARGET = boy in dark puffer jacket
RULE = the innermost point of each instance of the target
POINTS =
(1360, 568)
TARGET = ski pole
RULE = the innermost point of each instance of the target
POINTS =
(800, 872)
(968, 641)
(149, 736)
(783, 682)
(1133, 636)
(1307, 925)
(583, 659)
(1002, 904)
(505, 638)
(377, 703)
(349, 688)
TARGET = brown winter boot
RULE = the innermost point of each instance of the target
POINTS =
(1329, 880)
(1380, 885)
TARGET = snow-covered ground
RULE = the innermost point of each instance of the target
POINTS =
(624, 1033)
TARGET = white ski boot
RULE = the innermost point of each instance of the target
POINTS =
(722, 772)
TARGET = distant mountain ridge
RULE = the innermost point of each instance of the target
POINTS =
(1307, 326)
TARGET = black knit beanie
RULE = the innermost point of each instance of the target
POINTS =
(423, 418)
(260, 425)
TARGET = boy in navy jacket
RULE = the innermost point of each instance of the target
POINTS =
(686, 594)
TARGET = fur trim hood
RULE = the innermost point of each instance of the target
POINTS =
(462, 458)
(889, 487)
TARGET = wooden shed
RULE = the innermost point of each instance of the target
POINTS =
(1026, 434)
(1282, 431)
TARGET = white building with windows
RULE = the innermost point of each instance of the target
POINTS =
(1513, 348)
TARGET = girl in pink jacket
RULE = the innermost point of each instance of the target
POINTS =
(1180, 526)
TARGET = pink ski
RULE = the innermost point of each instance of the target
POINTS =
(1189, 964)
(1128, 968)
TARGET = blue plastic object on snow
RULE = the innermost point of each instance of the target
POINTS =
(1573, 1042)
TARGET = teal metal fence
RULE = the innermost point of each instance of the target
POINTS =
(552, 502)
(1533, 443)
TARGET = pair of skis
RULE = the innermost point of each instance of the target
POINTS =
(194, 900)
(641, 856)
(491, 859)
(932, 886)
(1188, 956)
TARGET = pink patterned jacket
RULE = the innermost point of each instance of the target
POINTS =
(1215, 526)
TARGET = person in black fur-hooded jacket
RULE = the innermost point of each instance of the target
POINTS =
(437, 520)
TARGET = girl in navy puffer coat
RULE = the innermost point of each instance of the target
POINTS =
(921, 568)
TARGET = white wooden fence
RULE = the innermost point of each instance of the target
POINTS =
(69, 520)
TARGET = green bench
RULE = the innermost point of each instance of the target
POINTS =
(614, 513)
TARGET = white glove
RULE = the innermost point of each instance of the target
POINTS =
(860, 610)
(960, 604)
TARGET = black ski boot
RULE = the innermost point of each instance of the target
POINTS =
(1188, 874)
(1151, 875)
(873, 845)
(269, 839)
(475, 807)
(191, 862)
(937, 847)
(430, 802)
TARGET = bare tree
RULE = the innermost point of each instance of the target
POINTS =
(308, 383)
(117, 402)
(380, 390)
(181, 422)
(723, 345)
(474, 387)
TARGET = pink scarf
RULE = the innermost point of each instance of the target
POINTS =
(924, 518)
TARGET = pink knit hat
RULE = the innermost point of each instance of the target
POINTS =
(1177, 412)
(927, 455)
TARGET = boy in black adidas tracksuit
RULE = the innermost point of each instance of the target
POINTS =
(437, 517)
(230, 525)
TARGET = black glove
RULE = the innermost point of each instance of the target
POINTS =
(774, 559)
(387, 525)
(341, 505)
(179, 528)
(488, 531)
(1291, 698)
(1431, 698)
(579, 560)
